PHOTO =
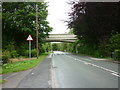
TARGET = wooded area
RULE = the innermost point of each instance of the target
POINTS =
(18, 21)
(96, 25)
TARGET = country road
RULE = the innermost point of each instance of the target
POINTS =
(75, 71)
(37, 77)
(66, 70)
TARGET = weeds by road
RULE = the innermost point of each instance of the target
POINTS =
(2, 81)
(21, 65)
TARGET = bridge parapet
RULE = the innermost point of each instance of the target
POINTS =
(61, 38)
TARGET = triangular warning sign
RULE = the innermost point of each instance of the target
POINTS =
(29, 38)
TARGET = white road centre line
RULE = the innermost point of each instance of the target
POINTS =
(87, 63)
(49, 83)
(53, 80)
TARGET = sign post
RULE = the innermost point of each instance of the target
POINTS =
(29, 49)
(29, 39)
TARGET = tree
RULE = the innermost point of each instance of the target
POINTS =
(54, 47)
(18, 21)
(94, 23)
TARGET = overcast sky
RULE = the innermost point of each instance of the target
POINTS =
(58, 10)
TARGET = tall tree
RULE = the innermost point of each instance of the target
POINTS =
(94, 22)
(18, 21)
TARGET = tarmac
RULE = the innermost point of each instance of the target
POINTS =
(38, 77)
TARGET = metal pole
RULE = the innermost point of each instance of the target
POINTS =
(29, 49)
(37, 31)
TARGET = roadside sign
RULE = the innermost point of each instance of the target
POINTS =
(29, 38)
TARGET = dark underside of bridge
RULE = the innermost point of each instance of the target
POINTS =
(69, 41)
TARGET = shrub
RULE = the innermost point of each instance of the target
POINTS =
(13, 54)
(117, 54)
(114, 42)
(26, 53)
(22, 50)
(5, 56)
(33, 52)
(97, 54)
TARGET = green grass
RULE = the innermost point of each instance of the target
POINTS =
(21, 65)
(2, 81)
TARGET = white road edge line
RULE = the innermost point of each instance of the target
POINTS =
(11, 75)
(87, 63)
(115, 74)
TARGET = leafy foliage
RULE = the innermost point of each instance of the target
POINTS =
(18, 21)
(96, 25)
(94, 22)
(114, 42)
(21, 65)
(117, 54)
(5, 56)
(55, 47)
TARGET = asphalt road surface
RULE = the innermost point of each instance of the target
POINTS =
(37, 77)
(66, 70)
(75, 71)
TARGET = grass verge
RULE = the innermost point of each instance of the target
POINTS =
(2, 81)
(21, 65)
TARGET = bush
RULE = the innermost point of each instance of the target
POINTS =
(5, 56)
(117, 54)
(13, 54)
(26, 53)
(22, 50)
(97, 54)
(33, 52)
(114, 42)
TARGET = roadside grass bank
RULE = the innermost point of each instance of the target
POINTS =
(2, 81)
(22, 65)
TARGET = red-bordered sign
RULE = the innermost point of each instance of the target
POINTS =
(29, 38)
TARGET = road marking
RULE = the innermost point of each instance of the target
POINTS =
(115, 74)
(49, 83)
(11, 75)
(32, 73)
(53, 64)
(50, 55)
(53, 81)
(87, 63)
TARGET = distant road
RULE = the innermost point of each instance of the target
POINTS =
(74, 71)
